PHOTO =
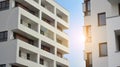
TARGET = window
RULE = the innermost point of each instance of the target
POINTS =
(87, 7)
(119, 8)
(4, 5)
(41, 61)
(28, 56)
(42, 32)
(14, 66)
(89, 60)
(2, 65)
(29, 25)
(117, 37)
(3, 36)
(118, 43)
(19, 53)
(101, 19)
(103, 49)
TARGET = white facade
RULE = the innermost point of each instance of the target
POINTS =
(32, 34)
(106, 34)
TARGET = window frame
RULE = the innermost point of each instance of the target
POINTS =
(89, 59)
(100, 53)
(99, 23)
(117, 40)
(86, 9)
(4, 37)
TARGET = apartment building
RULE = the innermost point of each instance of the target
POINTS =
(32, 34)
(102, 31)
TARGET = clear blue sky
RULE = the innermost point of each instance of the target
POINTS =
(75, 32)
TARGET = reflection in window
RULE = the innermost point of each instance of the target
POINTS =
(103, 49)
(102, 19)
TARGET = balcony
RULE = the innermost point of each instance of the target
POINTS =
(33, 42)
(47, 47)
(59, 53)
(61, 30)
(4, 5)
(60, 65)
(61, 27)
(48, 19)
(62, 40)
(61, 15)
(30, 9)
(46, 32)
(17, 65)
(46, 62)
(47, 5)
(29, 23)
(28, 55)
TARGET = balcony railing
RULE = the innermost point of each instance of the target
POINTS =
(28, 55)
(25, 39)
(34, 12)
(4, 5)
(29, 23)
(47, 6)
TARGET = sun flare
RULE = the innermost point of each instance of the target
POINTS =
(83, 38)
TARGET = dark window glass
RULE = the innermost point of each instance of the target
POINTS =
(59, 66)
(103, 49)
(4, 5)
(28, 56)
(3, 36)
(119, 8)
(102, 19)
(29, 25)
(118, 42)
(41, 61)
(3, 65)
(42, 32)
(19, 53)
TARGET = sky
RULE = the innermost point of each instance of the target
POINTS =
(75, 31)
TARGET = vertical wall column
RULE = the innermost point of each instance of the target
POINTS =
(54, 63)
(8, 65)
(55, 51)
(38, 57)
(10, 35)
(39, 2)
(55, 24)
(12, 4)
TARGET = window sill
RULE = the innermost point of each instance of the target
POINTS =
(101, 25)
(103, 56)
